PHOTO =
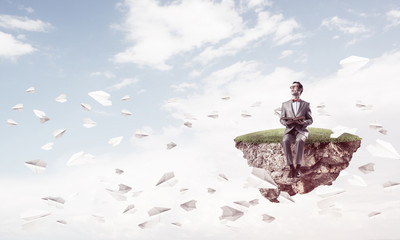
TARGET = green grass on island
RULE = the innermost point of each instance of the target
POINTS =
(275, 136)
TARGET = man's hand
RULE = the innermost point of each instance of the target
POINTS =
(289, 122)
(300, 121)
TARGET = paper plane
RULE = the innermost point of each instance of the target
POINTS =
(101, 97)
(119, 171)
(183, 190)
(267, 218)
(57, 202)
(62, 98)
(367, 168)
(34, 214)
(171, 145)
(59, 133)
(177, 224)
(383, 131)
(62, 222)
(286, 196)
(37, 166)
(157, 210)
(390, 184)
(256, 104)
(189, 206)
(88, 123)
(122, 189)
(260, 178)
(211, 191)
(148, 224)
(383, 149)
(213, 115)
(188, 124)
(30, 90)
(245, 114)
(126, 98)
(118, 196)
(222, 176)
(373, 214)
(226, 98)
(129, 209)
(80, 158)
(243, 203)
(277, 111)
(115, 141)
(48, 146)
(11, 122)
(254, 202)
(19, 107)
(125, 112)
(86, 107)
(41, 115)
(167, 179)
(338, 131)
(363, 106)
(375, 126)
(231, 214)
(141, 134)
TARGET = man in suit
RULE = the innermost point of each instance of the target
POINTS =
(296, 130)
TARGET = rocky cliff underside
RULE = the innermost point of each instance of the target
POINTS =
(321, 165)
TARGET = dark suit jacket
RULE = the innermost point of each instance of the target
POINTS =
(304, 110)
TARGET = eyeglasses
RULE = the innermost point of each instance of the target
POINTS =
(294, 86)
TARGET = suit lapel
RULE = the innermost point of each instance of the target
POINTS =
(290, 106)
(300, 107)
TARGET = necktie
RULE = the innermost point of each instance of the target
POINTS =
(295, 100)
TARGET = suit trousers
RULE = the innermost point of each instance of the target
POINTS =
(299, 139)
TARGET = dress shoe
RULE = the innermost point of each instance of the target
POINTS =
(292, 172)
(298, 172)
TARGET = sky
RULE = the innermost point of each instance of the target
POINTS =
(180, 62)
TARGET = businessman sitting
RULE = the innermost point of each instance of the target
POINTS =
(295, 116)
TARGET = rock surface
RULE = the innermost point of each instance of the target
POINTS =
(321, 165)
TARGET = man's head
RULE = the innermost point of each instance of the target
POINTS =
(296, 88)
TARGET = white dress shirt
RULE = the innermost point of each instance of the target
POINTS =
(295, 106)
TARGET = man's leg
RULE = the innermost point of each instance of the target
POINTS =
(286, 142)
(300, 142)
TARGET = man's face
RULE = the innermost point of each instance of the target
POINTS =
(295, 90)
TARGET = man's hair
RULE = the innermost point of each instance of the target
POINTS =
(300, 86)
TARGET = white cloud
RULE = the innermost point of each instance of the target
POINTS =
(23, 23)
(160, 32)
(105, 74)
(344, 25)
(207, 149)
(258, 5)
(286, 53)
(124, 83)
(267, 24)
(12, 48)
(394, 17)
(183, 87)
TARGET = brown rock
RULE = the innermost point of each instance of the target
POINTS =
(321, 165)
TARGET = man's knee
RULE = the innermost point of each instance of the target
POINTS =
(301, 139)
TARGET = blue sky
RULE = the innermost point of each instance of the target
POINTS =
(177, 59)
